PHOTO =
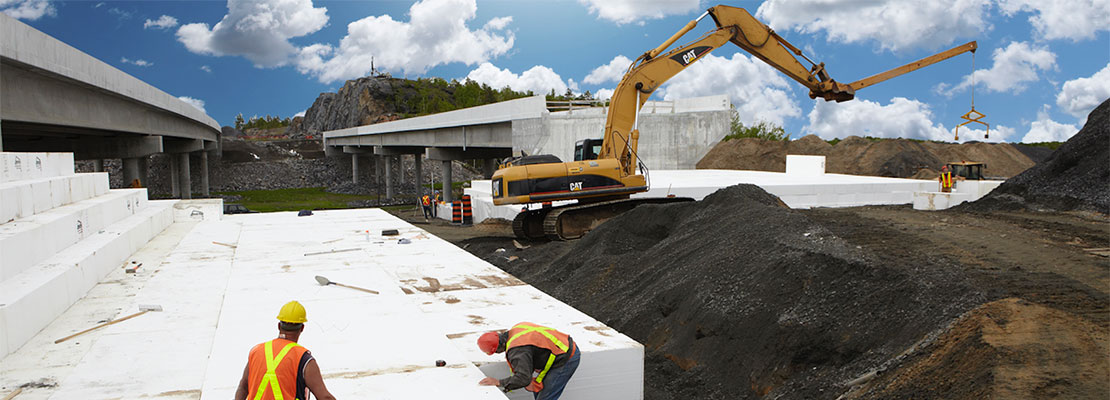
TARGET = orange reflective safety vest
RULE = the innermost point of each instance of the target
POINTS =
(945, 180)
(426, 200)
(274, 377)
(529, 334)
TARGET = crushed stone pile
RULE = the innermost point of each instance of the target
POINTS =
(737, 296)
(1076, 177)
(897, 158)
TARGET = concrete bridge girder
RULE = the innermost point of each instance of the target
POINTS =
(488, 135)
(469, 153)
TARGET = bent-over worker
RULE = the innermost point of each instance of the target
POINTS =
(531, 348)
(282, 369)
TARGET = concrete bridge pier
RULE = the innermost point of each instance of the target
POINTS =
(180, 176)
(418, 165)
(446, 175)
(98, 165)
(356, 153)
(449, 154)
(389, 177)
(203, 174)
(401, 171)
(184, 178)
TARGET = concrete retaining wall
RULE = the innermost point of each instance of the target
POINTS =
(673, 135)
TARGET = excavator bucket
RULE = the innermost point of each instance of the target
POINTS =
(973, 116)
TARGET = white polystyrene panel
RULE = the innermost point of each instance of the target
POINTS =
(37, 295)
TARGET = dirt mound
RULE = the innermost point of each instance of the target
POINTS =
(900, 158)
(1074, 177)
(735, 296)
(1006, 349)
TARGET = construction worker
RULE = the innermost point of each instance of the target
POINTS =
(282, 369)
(945, 179)
(426, 204)
(529, 348)
(437, 202)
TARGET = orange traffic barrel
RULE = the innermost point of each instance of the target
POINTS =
(456, 212)
(467, 211)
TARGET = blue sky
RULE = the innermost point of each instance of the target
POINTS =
(1040, 68)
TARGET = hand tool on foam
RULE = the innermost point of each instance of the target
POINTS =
(324, 281)
(143, 309)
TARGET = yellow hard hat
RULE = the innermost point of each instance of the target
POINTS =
(292, 312)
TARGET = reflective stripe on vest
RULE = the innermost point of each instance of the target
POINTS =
(271, 370)
(946, 179)
(426, 200)
(560, 348)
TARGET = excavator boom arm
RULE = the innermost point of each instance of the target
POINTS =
(735, 25)
(916, 65)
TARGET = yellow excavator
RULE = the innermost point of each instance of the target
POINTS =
(603, 186)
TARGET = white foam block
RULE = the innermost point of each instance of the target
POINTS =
(37, 295)
(27, 241)
(800, 165)
(24, 166)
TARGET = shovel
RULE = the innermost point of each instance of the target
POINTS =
(324, 282)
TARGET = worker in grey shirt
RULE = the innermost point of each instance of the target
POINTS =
(533, 349)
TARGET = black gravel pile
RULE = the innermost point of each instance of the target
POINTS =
(738, 297)
(1075, 177)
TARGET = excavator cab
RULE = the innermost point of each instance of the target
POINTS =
(970, 170)
(587, 149)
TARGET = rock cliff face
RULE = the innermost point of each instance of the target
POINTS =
(362, 101)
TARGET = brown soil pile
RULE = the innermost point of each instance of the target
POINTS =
(1075, 177)
(1006, 349)
(899, 158)
(737, 297)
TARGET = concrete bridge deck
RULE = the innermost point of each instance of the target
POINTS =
(56, 98)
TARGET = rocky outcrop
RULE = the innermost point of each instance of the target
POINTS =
(362, 101)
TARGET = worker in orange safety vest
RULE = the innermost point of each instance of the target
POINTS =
(426, 204)
(281, 369)
(533, 349)
(945, 179)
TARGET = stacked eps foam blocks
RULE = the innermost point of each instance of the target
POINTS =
(60, 233)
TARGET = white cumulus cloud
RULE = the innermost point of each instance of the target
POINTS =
(30, 10)
(198, 103)
(1062, 19)
(895, 24)
(627, 11)
(256, 29)
(901, 118)
(1014, 67)
(435, 34)
(206, 68)
(139, 62)
(163, 22)
(539, 79)
(611, 72)
(1080, 96)
(1044, 129)
(759, 92)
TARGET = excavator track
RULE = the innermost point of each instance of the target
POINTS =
(573, 222)
(529, 224)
